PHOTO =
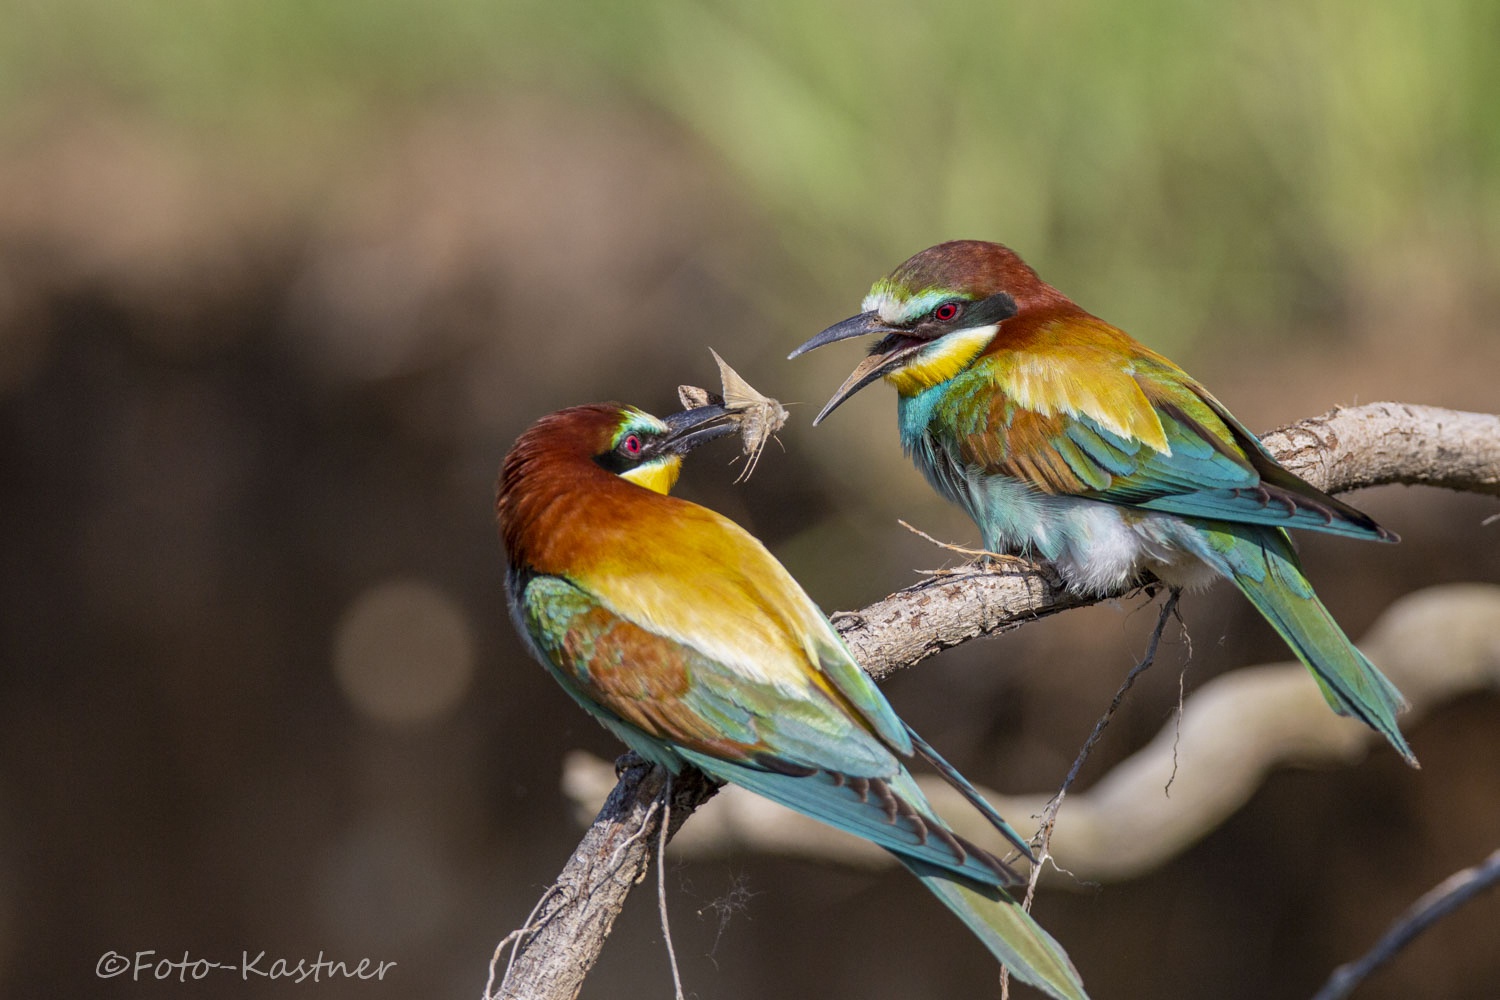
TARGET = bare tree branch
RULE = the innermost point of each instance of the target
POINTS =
(1341, 450)
(1447, 896)
(1353, 447)
(565, 933)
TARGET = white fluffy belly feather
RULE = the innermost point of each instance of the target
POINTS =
(1097, 547)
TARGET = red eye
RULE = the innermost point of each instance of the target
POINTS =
(947, 311)
(631, 445)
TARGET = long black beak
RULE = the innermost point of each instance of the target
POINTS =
(690, 428)
(890, 352)
(855, 326)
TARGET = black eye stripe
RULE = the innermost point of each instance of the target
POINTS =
(631, 450)
(995, 309)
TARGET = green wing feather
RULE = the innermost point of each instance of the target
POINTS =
(1210, 467)
(674, 694)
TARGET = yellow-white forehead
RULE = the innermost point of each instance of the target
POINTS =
(638, 422)
(896, 308)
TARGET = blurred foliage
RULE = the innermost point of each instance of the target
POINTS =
(1100, 138)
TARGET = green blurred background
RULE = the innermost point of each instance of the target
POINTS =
(280, 282)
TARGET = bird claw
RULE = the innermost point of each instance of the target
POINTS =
(983, 561)
(993, 562)
(627, 762)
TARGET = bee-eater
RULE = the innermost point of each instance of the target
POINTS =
(1063, 437)
(677, 630)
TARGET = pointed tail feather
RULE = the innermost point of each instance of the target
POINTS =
(968, 791)
(891, 812)
(1263, 565)
(958, 872)
(1020, 944)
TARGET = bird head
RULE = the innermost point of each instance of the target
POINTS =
(573, 466)
(935, 314)
(622, 440)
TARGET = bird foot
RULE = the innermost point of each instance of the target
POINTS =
(984, 561)
(995, 562)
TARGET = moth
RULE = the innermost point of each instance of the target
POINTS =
(759, 416)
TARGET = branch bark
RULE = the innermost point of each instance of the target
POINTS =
(566, 930)
(1341, 450)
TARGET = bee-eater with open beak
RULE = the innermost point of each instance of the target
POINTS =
(678, 631)
(1063, 437)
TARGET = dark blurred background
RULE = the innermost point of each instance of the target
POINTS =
(280, 282)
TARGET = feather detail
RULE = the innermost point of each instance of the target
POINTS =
(951, 775)
(1113, 421)
(889, 811)
(1070, 365)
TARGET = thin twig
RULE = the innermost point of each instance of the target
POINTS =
(1176, 730)
(640, 831)
(661, 886)
(1042, 842)
(1044, 836)
(1187, 661)
(514, 940)
(1447, 896)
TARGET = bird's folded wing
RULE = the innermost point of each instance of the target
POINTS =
(806, 751)
(701, 580)
(1169, 446)
(674, 692)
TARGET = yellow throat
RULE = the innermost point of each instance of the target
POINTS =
(941, 360)
(658, 475)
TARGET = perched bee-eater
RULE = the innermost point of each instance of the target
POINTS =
(678, 631)
(1063, 437)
